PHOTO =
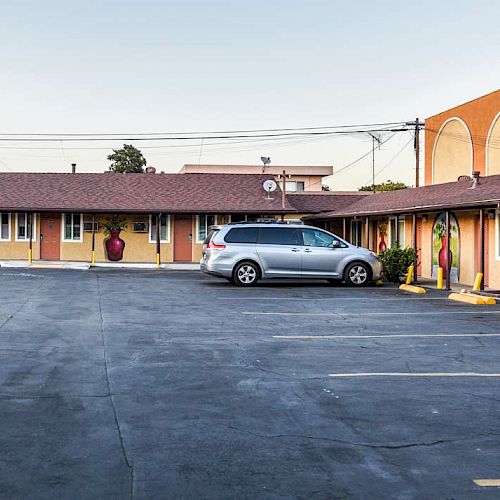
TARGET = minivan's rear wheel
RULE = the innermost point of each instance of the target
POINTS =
(357, 274)
(246, 274)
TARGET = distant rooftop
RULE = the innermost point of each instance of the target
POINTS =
(319, 170)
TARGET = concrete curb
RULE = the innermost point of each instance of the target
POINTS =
(412, 288)
(470, 298)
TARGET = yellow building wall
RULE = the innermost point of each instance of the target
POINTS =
(452, 153)
(18, 250)
(138, 249)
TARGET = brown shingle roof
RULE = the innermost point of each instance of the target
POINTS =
(314, 202)
(110, 192)
(452, 195)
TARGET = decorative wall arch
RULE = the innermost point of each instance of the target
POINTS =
(436, 179)
(494, 124)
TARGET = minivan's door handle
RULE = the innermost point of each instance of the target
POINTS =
(295, 249)
(307, 250)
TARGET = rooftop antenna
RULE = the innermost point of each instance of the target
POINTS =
(266, 160)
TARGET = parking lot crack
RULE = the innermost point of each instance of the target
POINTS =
(126, 459)
(388, 446)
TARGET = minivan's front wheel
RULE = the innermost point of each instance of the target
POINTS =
(246, 274)
(357, 274)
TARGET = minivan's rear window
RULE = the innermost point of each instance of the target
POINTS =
(210, 235)
(278, 236)
(242, 235)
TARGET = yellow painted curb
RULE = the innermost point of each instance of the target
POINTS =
(412, 288)
(469, 298)
(487, 300)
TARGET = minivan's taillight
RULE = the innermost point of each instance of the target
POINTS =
(211, 244)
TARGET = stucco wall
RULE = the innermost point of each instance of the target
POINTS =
(478, 115)
(494, 251)
(14, 250)
(452, 153)
(137, 245)
(493, 148)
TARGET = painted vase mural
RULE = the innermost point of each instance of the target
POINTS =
(114, 244)
(441, 246)
(382, 229)
(442, 260)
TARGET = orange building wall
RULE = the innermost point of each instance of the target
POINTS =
(479, 116)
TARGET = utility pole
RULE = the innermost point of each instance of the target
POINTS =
(374, 138)
(417, 153)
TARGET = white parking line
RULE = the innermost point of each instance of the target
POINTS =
(488, 482)
(333, 298)
(387, 336)
(341, 314)
(409, 374)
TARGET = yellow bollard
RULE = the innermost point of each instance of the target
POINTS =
(478, 281)
(409, 276)
(440, 283)
(30, 256)
(92, 264)
(157, 260)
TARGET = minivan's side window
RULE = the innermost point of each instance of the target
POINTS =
(313, 238)
(278, 236)
(242, 235)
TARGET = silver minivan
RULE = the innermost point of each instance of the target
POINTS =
(243, 253)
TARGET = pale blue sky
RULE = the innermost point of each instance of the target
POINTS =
(112, 66)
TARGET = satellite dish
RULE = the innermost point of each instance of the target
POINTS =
(269, 186)
(266, 160)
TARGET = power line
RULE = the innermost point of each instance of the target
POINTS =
(121, 134)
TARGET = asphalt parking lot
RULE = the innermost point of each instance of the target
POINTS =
(151, 384)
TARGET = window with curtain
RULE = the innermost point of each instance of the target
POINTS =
(203, 222)
(23, 226)
(72, 227)
(4, 226)
(164, 228)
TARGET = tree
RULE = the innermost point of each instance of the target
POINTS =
(385, 186)
(324, 187)
(127, 160)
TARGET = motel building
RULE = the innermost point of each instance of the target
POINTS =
(56, 218)
(457, 211)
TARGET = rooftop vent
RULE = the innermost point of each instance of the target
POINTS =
(475, 178)
(73, 168)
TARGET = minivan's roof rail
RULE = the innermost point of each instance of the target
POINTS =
(262, 221)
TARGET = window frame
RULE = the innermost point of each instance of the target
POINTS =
(63, 227)
(198, 239)
(356, 225)
(151, 236)
(33, 230)
(402, 238)
(9, 226)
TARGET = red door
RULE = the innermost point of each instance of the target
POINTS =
(183, 239)
(50, 236)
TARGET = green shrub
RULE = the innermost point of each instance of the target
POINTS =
(396, 261)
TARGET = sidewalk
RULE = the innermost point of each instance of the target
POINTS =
(83, 266)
